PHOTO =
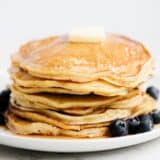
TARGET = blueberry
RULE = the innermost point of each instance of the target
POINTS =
(2, 120)
(146, 123)
(155, 116)
(119, 128)
(153, 92)
(145, 116)
(133, 124)
(4, 99)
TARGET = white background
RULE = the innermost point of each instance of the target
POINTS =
(24, 20)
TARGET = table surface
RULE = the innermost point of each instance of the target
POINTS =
(146, 151)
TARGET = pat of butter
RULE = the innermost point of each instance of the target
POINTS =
(88, 35)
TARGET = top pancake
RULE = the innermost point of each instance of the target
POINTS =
(119, 60)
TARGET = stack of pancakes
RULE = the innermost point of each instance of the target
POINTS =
(77, 89)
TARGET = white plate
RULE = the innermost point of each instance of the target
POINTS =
(75, 145)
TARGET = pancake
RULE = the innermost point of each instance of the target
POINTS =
(129, 102)
(27, 106)
(69, 88)
(24, 127)
(38, 117)
(82, 111)
(25, 122)
(47, 90)
(29, 84)
(67, 101)
(58, 59)
(107, 115)
(147, 106)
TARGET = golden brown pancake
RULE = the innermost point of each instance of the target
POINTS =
(118, 59)
(47, 123)
(24, 127)
(77, 88)
(106, 115)
(58, 101)
(29, 84)
(35, 116)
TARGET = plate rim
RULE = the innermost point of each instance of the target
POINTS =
(75, 145)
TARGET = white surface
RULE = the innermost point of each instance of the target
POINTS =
(147, 151)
